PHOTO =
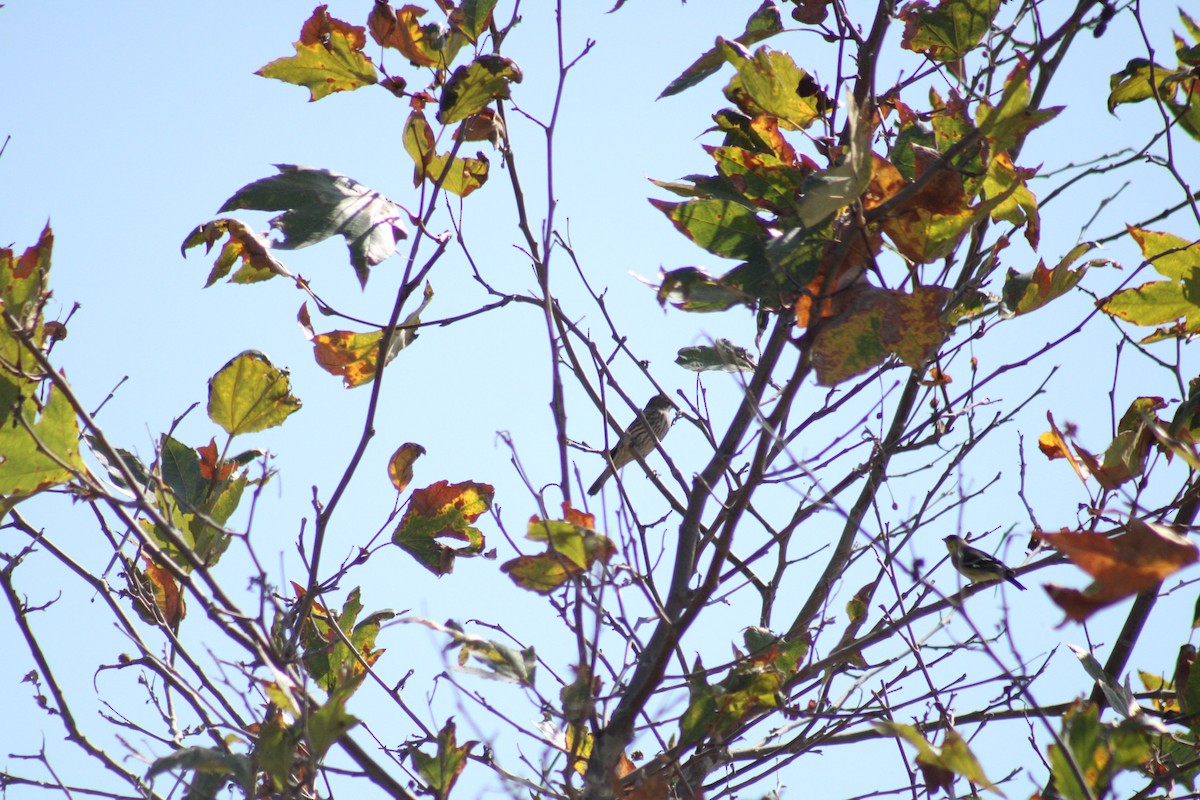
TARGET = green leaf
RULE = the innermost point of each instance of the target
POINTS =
(722, 355)
(950, 31)
(442, 769)
(328, 723)
(24, 285)
(38, 451)
(726, 229)
(1028, 291)
(1176, 300)
(763, 24)
(474, 85)
(180, 467)
(328, 58)
(1140, 80)
(472, 17)
(334, 666)
(767, 83)
(443, 511)
(318, 204)
(212, 769)
(954, 754)
(250, 394)
(764, 179)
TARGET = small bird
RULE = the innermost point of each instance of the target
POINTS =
(640, 438)
(976, 565)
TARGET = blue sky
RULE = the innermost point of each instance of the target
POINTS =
(130, 125)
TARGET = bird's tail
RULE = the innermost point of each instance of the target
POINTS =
(595, 487)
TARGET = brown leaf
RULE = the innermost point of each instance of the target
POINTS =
(1129, 563)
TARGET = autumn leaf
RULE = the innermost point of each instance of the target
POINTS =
(572, 548)
(1174, 300)
(952, 756)
(1133, 561)
(250, 394)
(766, 83)
(257, 262)
(460, 176)
(400, 465)
(877, 323)
(1028, 291)
(24, 285)
(355, 356)
(328, 58)
(327, 659)
(39, 446)
(474, 85)
(443, 511)
(441, 770)
(423, 45)
(949, 31)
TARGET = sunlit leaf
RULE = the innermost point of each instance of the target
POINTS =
(1141, 79)
(443, 511)
(430, 45)
(39, 448)
(253, 250)
(1006, 123)
(474, 85)
(318, 204)
(1129, 563)
(763, 24)
(472, 17)
(328, 58)
(1019, 206)
(461, 175)
(400, 465)
(949, 31)
(767, 82)
(726, 229)
(1176, 300)
(877, 323)
(954, 755)
(250, 394)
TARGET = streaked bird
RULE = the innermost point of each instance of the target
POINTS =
(649, 428)
(976, 565)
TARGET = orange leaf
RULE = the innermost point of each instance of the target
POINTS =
(1126, 564)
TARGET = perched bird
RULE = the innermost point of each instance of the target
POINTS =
(976, 565)
(649, 428)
